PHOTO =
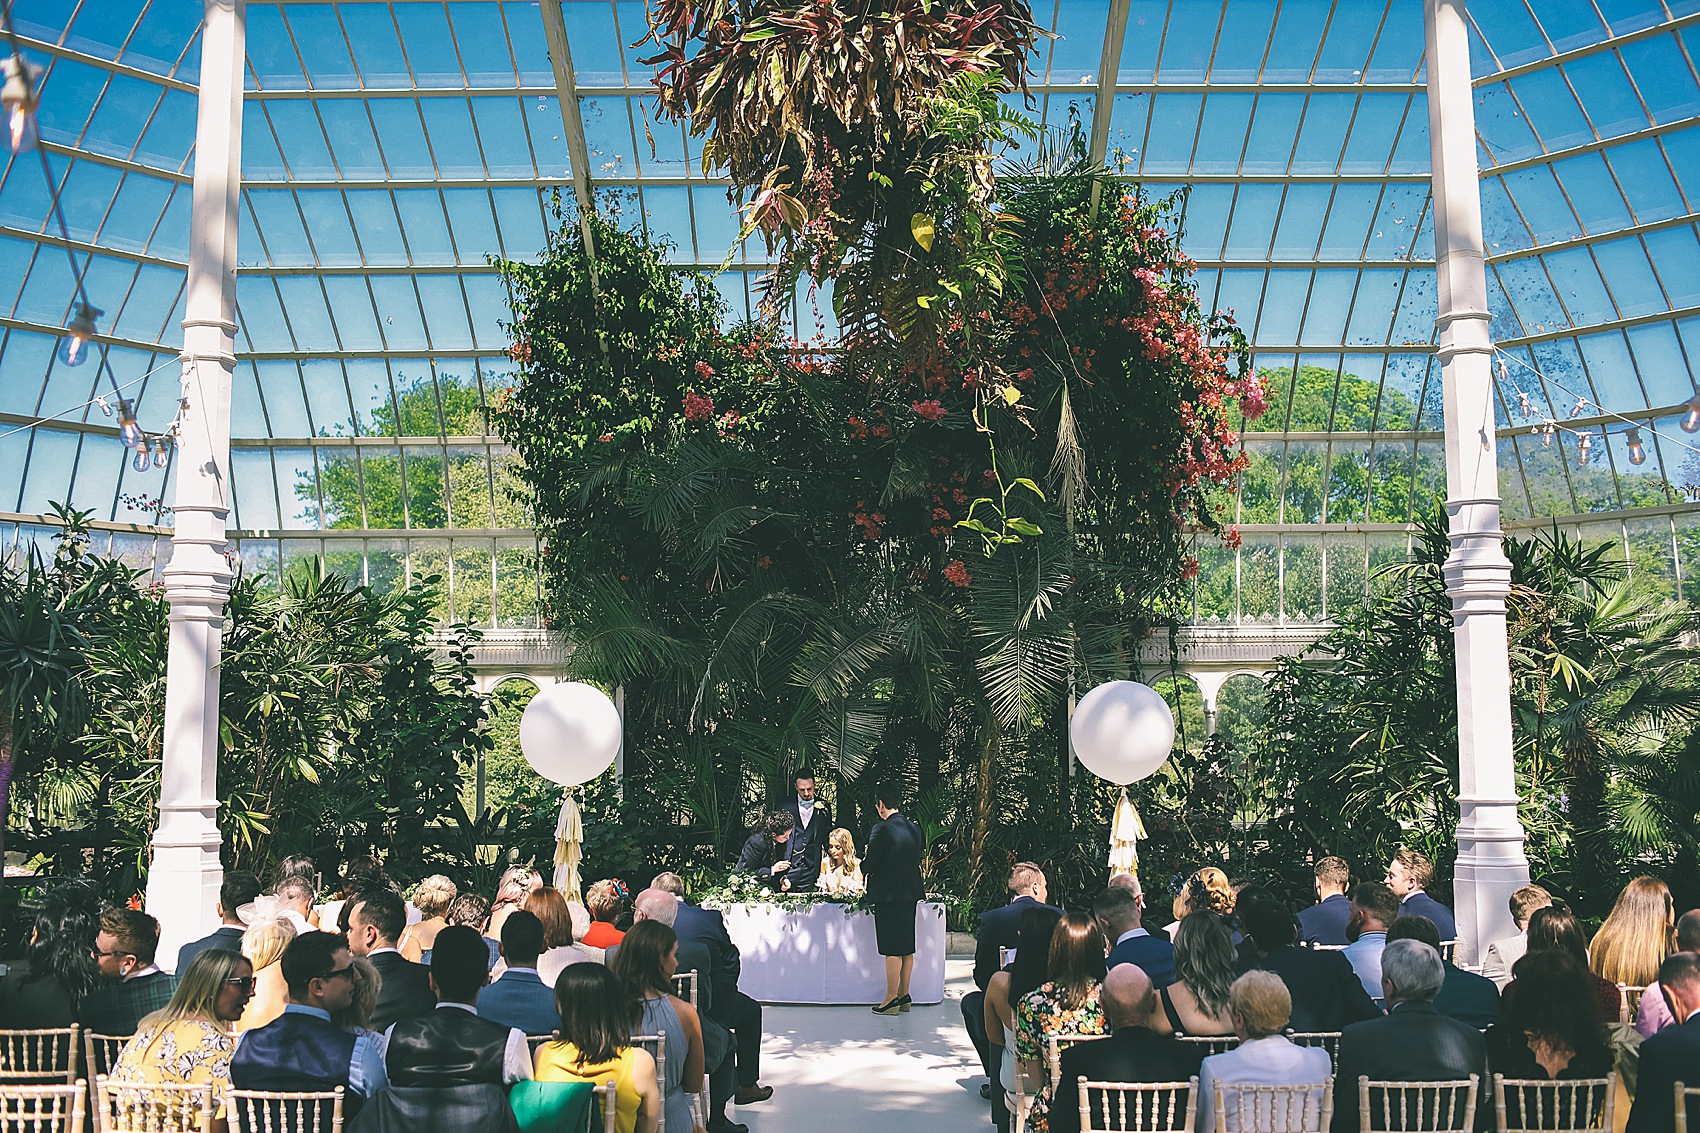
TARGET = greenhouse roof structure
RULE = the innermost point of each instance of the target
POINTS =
(391, 149)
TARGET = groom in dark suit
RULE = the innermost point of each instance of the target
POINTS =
(811, 822)
(893, 869)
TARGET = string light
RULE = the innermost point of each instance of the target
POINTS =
(1582, 446)
(20, 98)
(127, 428)
(1691, 421)
(1637, 450)
(140, 461)
(73, 351)
(161, 451)
(1547, 434)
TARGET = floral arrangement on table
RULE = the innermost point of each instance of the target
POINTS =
(746, 889)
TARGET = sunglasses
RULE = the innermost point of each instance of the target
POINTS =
(243, 984)
(99, 955)
(350, 973)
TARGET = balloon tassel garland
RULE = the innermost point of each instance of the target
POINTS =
(1125, 833)
(569, 843)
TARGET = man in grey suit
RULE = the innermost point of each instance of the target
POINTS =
(1413, 1042)
(1501, 955)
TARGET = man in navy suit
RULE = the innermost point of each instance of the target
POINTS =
(1407, 873)
(1672, 1055)
(1118, 911)
(811, 822)
(1464, 996)
(237, 889)
(520, 998)
(998, 930)
(1327, 994)
(1325, 921)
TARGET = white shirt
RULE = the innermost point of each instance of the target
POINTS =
(553, 962)
(516, 1058)
(805, 811)
(1131, 933)
(381, 951)
(139, 973)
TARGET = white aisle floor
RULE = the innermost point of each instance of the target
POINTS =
(833, 1069)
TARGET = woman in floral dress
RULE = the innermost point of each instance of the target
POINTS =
(1065, 1004)
(190, 1040)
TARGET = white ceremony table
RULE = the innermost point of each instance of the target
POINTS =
(825, 953)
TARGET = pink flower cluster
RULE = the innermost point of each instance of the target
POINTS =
(931, 410)
(957, 574)
(698, 407)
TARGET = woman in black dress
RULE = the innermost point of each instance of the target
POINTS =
(48, 992)
(1550, 1028)
(893, 869)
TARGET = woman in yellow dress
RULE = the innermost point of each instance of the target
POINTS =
(189, 1041)
(842, 876)
(597, 1018)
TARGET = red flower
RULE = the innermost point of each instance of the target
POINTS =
(704, 371)
(765, 561)
(931, 410)
(606, 437)
(698, 407)
(958, 574)
(520, 351)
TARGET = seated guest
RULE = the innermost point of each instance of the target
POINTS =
(842, 872)
(453, 1045)
(131, 983)
(1637, 935)
(432, 900)
(1326, 993)
(518, 882)
(473, 911)
(767, 852)
(1501, 954)
(1325, 921)
(292, 900)
(644, 966)
(1197, 1002)
(1407, 873)
(1132, 1053)
(356, 1018)
(597, 1023)
(1654, 1015)
(564, 925)
(1030, 968)
(302, 1050)
(1374, 908)
(1556, 927)
(48, 992)
(1550, 1029)
(519, 998)
(1464, 996)
(360, 874)
(1067, 1003)
(189, 1041)
(1414, 1043)
(1672, 1055)
(606, 900)
(1118, 911)
(996, 931)
(263, 944)
(376, 919)
(236, 890)
(1261, 1006)
(660, 905)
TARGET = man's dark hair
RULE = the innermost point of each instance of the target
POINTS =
(1376, 899)
(1681, 969)
(1116, 905)
(1414, 928)
(1269, 923)
(890, 793)
(522, 939)
(803, 773)
(384, 910)
(470, 909)
(307, 958)
(460, 961)
(1688, 931)
(294, 866)
(777, 823)
(137, 933)
(237, 889)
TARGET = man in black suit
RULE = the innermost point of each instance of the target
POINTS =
(811, 822)
(1464, 996)
(237, 889)
(1414, 1043)
(893, 870)
(998, 930)
(1672, 1055)
(375, 923)
(1325, 921)
(1132, 1053)
(767, 854)
(1327, 994)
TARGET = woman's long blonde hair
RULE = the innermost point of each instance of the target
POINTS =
(197, 991)
(841, 840)
(1637, 936)
(264, 941)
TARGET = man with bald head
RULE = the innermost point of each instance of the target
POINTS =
(1132, 1053)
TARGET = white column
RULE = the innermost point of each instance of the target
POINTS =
(184, 877)
(1478, 576)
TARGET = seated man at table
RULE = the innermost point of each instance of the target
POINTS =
(767, 853)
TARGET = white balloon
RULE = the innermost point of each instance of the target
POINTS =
(1122, 731)
(570, 733)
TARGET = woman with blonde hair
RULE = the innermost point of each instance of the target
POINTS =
(843, 873)
(263, 944)
(432, 900)
(1637, 936)
(357, 1016)
(189, 1041)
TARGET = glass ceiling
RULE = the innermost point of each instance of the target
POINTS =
(390, 149)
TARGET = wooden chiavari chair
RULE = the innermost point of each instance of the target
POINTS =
(1434, 1107)
(45, 1057)
(1171, 1107)
(43, 1109)
(1577, 1105)
(263, 1111)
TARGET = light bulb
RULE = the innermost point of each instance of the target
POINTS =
(161, 452)
(74, 350)
(140, 461)
(1691, 422)
(1546, 437)
(105, 406)
(1580, 405)
(127, 428)
(1523, 407)
(20, 97)
(1637, 450)
(1582, 448)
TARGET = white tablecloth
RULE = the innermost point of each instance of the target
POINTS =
(825, 953)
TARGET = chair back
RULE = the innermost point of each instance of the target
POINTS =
(1164, 1106)
(1212, 1044)
(685, 986)
(1685, 1095)
(1578, 1105)
(135, 1107)
(1275, 1109)
(263, 1111)
(1006, 956)
(535, 1041)
(100, 1053)
(1055, 1045)
(1449, 949)
(1327, 947)
(1432, 1107)
(656, 1045)
(1327, 1040)
(43, 1109)
(605, 1095)
(1628, 1001)
(39, 1058)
